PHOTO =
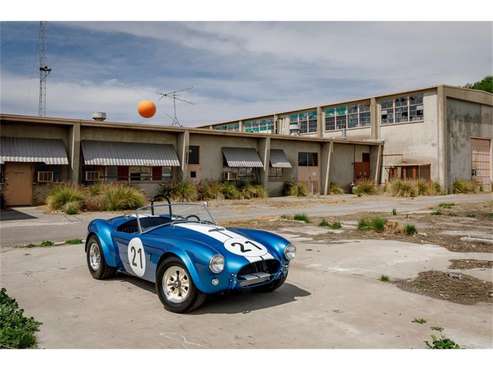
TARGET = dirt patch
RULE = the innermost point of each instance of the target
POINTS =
(458, 288)
(466, 264)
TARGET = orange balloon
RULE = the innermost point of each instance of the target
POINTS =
(146, 108)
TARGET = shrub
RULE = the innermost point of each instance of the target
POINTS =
(441, 343)
(96, 189)
(365, 186)
(71, 208)
(384, 278)
(230, 191)
(250, 191)
(184, 191)
(335, 189)
(62, 194)
(95, 202)
(410, 229)
(16, 330)
(375, 223)
(394, 212)
(466, 186)
(122, 197)
(301, 217)
(209, 190)
(296, 189)
(412, 188)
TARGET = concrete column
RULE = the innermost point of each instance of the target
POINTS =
(276, 129)
(442, 146)
(378, 168)
(320, 124)
(240, 125)
(325, 160)
(375, 126)
(182, 143)
(264, 152)
(74, 153)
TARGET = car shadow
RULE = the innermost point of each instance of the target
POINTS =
(248, 301)
(143, 284)
(14, 215)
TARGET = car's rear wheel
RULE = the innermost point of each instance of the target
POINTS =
(175, 287)
(96, 263)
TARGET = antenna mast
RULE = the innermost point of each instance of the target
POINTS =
(44, 70)
(173, 95)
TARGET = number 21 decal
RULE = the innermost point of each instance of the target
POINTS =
(245, 248)
(136, 257)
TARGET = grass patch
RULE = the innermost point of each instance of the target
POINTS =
(412, 188)
(410, 229)
(372, 223)
(301, 217)
(436, 328)
(73, 241)
(46, 243)
(332, 225)
(465, 186)
(384, 278)
(436, 212)
(16, 330)
(365, 187)
(420, 321)
(441, 343)
(446, 205)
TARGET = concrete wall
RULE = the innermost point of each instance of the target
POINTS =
(465, 120)
(416, 141)
(37, 131)
(125, 135)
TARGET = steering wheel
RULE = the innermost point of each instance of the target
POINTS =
(192, 216)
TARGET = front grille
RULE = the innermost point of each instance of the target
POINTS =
(267, 266)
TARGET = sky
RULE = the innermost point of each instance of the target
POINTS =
(236, 69)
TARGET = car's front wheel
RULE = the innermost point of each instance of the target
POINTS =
(175, 287)
(95, 260)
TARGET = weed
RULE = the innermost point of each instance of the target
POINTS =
(335, 189)
(384, 278)
(230, 191)
(420, 321)
(365, 186)
(436, 212)
(375, 223)
(335, 225)
(62, 194)
(323, 223)
(436, 328)
(394, 212)
(410, 229)
(301, 217)
(446, 205)
(71, 208)
(47, 243)
(250, 191)
(471, 215)
(209, 190)
(441, 343)
(121, 197)
(16, 330)
(466, 186)
(73, 241)
(297, 189)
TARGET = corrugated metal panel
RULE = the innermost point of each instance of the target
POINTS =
(49, 151)
(242, 157)
(111, 153)
(279, 159)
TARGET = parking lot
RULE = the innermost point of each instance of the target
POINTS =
(334, 297)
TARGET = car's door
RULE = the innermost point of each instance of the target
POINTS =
(130, 248)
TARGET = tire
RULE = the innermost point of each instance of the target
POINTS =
(102, 270)
(184, 297)
(272, 286)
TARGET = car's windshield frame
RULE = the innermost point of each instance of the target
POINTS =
(143, 212)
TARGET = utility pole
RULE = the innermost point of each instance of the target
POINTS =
(174, 96)
(44, 70)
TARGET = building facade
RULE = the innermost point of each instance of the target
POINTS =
(441, 133)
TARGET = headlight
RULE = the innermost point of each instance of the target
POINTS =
(216, 264)
(290, 252)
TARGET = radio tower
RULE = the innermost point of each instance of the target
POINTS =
(44, 70)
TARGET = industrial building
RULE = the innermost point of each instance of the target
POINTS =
(439, 133)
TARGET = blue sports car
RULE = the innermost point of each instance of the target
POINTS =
(181, 249)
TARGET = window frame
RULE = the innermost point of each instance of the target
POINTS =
(190, 150)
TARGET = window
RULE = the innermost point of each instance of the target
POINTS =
(45, 176)
(307, 159)
(305, 122)
(330, 119)
(140, 173)
(347, 116)
(167, 172)
(193, 174)
(402, 109)
(341, 117)
(92, 176)
(235, 126)
(193, 154)
(259, 125)
(111, 173)
(275, 172)
(364, 115)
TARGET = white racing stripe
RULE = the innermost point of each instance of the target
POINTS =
(235, 243)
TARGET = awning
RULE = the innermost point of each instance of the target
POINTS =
(49, 151)
(242, 157)
(111, 153)
(279, 159)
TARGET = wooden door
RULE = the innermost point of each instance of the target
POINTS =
(361, 170)
(18, 187)
(481, 161)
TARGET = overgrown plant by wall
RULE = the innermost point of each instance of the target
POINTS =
(412, 188)
(466, 186)
(296, 189)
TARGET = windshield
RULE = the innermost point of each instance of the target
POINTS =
(157, 215)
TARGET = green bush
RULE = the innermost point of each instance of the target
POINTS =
(250, 191)
(384, 278)
(230, 191)
(122, 197)
(96, 202)
(466, 186)
(71, 208)
(16, 330)
(301, 217)
(296, 189)
(441, 343)
(184, 191)
(365, 186)
(372, 223)
(62, 194)
(410, 229)
(208, 190)
(335, 189)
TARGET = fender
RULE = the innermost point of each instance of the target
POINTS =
(102, 231)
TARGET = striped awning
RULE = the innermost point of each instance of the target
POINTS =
(242, 157)
(279, 159)
(112, 153)
(49, 151)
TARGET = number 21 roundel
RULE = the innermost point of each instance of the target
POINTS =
(136, 257)
(246, 248)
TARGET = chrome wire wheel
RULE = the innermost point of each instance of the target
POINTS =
(94, 256)
(176, 284)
